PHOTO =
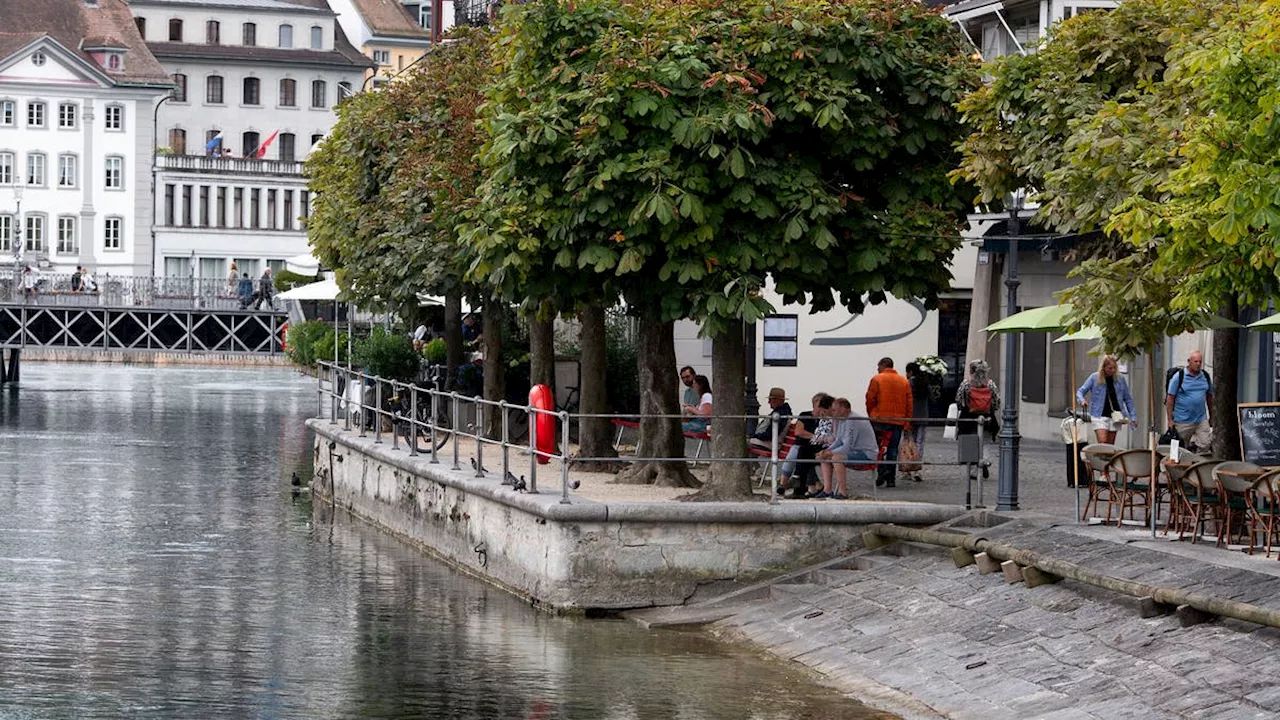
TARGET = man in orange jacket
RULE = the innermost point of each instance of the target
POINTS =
(889, 407)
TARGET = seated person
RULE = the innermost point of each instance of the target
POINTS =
(812, 434)
(701, 413)
(780, 409)
(855, 444)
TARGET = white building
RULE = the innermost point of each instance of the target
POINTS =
(257, 82)
(77, 85)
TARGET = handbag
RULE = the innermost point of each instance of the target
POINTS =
(953, 414)
(909, 455)
(1169, 436)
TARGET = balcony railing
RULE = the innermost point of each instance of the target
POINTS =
(124, 291)
(223, 166)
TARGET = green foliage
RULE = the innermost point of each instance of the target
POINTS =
(324, 348)
(681, 154)
(436, 351)
(395, 174)
(286, 280)
(621, 380)
(303, 339)
(387, 355)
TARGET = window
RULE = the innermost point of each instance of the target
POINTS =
(113, 232)
(114, 168)
(287, 146)
(250, 34)
(213, 90)
(399, 62)
(288, 93)
(211, 148)
(68, 171)
(6, 168)
(316, 138)
(169, 204)
(424, 15)
(203, 196)
(68, 242)
(288, 209)
(35, 114)
(271, 208)
(142, 26)
(8, 113)
(179, 93)
(213, 33)
(344, 90)
(114, 118)
(186, 205)
(252, 92)
(35, 168)
(67, 115)
(319, 91)
(175, 30)
(255, 208)
(220, 211)
(237, 212)
(286, 36)
(317, 37)
(305, 201)
(780, 340)
(382, 57)
(177, 267)
(38, 58)
(178, 141)
(35, 233)
(248, 144)
(6, 233)
(113, 61)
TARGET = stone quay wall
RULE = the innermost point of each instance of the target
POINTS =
(584, 555)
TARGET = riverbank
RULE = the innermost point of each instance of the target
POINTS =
(152, 357)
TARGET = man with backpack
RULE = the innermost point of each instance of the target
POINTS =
(978, 397)
(1188, 403)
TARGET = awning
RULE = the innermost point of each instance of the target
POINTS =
(303, 265)
(323, 290)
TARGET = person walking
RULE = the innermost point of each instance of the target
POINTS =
(1188, 403)
(1107, 398)
(889, 405)
(921, 392)
(244, 290)
(266, 290)
(978, 397)
(233, 279)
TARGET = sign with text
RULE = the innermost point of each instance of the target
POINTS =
(1260, 433)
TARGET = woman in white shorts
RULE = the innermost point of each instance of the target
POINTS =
(1107, 397)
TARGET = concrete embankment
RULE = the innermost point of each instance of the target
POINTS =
(585, 554)
(151, 357)
(904, 629)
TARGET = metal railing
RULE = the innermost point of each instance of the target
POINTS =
(415, 413)
(179, 293)
(241, 166)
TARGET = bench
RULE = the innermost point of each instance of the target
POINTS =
(785, 443)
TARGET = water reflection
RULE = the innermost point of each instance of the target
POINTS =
(153, 565)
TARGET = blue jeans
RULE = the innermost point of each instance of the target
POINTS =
(885, 474)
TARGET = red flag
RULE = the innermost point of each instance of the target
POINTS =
(262, 149)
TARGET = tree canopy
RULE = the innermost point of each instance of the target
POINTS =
(397, 173)
(679, 153)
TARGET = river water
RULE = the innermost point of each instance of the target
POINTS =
(154, 564)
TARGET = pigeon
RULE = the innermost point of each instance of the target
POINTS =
(510, 479)
(295, 480)
(519, 485)
(473, 466)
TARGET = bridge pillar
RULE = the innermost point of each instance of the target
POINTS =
(10, 371)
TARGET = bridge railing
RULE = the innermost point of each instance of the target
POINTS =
(125, 291)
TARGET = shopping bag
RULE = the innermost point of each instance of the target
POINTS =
(953, 414)
(909, 455)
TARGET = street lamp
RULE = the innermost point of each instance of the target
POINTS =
(1007, 487)
(155, 121)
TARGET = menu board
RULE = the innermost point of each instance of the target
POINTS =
(1260, 433)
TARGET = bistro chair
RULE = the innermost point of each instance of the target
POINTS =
(1264, 508)
(1178, 508)
(1201, 493)
(1233, 497)
(1097, 455)
(1130, 481)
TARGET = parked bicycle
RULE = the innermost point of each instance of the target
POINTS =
(401, 408)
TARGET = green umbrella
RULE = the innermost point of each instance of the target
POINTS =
(1041, 319)
(1267, 323)
(1088, 332)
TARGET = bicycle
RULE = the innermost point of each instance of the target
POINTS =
(518, 417)
(401, 409)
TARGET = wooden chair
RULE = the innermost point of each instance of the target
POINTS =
(1097, 456)
(1201, 493)
(1264, 507)
(785, 441)
(1130, 481)
(1178, 508)
(1233, 498)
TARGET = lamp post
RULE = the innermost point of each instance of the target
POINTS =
(16, 236)
(155, 121)
(1007, 486)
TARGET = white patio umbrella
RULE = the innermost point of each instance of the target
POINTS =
(304, 264)
(323, 290)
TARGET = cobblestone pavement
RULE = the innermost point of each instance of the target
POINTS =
(918, 636)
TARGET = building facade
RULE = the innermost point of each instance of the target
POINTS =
(77, 86)
(394, 35)
(256, 83)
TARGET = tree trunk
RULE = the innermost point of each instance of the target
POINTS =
(1226, 363)
(660, 437)
(452, 336)
(495, 375)
(596, 434)
(542, 353)
(729, 480)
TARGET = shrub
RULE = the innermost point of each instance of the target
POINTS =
(302, 339)
(622, 380)
(324, 348)
(436, 352)
(387, 355)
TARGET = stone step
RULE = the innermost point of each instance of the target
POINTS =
(686, 616)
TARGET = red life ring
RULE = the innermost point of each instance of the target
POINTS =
(540, 397)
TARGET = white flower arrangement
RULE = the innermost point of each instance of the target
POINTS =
(932, 365)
